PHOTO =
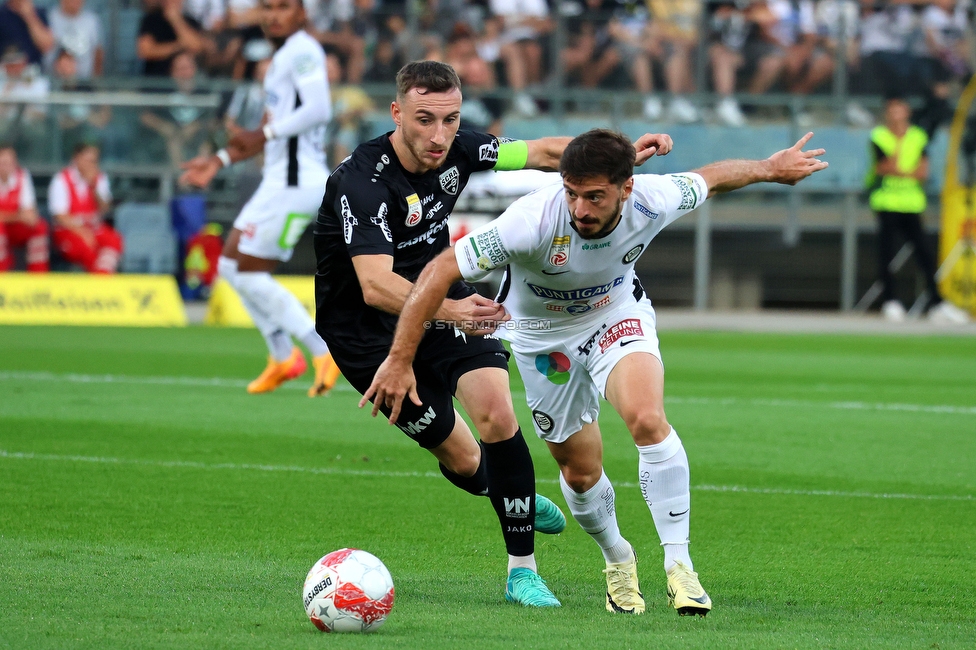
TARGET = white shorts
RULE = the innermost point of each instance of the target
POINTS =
(272, 222)
(566, 373)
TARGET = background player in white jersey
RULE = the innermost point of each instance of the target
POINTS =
(570, 250)
(270, 224)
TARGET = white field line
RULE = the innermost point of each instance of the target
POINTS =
(341, 471)
(219, 382)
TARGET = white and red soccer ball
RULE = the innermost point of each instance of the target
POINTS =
(348, 591)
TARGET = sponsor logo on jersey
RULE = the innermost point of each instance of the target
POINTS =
(488, 249)
(555, 366)
(304, 64)
(559, 250)
(428, 236)
(633, 254)
(602, 302)
(689, 195)
(579, 307)
(488, 152)
(450, 180)
(626, 327)
(434, 210)
(380, 220)
(575, 294)
(596, 247)
(348, 220)
(586, 347)
(427, 199)
(644, 210)
(412, 429)
(415, 210)
(543, 421)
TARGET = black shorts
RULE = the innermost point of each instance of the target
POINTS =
(443, 356)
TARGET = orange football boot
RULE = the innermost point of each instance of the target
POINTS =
(278, 372)
(326, 374)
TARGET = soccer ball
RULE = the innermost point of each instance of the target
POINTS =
(348, 591)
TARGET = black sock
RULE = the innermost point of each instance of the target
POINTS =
(511, 488)
(476, 484)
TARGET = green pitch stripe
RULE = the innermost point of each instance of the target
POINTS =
(224, 382)
(186, 464)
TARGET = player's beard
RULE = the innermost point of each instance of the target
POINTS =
(421, 155)
(605, 230)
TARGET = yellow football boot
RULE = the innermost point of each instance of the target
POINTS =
(623, 591)
(685, 592)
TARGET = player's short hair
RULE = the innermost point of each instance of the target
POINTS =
(598, 152)
(432, 76)
(7, 145)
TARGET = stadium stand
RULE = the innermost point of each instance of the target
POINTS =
(913, 47)
(150, 243)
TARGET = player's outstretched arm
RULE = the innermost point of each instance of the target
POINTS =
(394, 379)
(199, 171)
(544, 154)
(789, 167)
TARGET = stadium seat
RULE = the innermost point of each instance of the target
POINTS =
(150, 244)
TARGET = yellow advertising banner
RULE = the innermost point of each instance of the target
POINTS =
(80, 299)
(957, 238)
(225, 308)
(957, 248)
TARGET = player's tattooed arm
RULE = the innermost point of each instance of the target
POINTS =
(789, 167)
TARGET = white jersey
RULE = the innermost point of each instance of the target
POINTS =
(295, 78)
(556, 276)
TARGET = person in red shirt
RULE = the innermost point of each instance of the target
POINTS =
(78, 199)
(20, 225)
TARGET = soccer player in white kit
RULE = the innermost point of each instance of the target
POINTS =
(298, 109)
(581, 328)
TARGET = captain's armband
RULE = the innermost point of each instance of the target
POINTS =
(512, 155)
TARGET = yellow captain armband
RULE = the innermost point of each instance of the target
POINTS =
(512, 154)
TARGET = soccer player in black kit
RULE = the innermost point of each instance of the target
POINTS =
(384, 216)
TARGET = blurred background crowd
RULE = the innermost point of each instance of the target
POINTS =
(684, 61)
(156, 82)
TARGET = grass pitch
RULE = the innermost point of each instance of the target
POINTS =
(147, 502)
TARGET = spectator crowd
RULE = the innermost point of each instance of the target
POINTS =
(79, 199)
(651, 46)
(508, 53)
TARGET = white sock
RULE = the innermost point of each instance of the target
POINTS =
(314, 343)
(665, 484)
(278, 341)
(278, 304)
(522, 561)
(596, 514)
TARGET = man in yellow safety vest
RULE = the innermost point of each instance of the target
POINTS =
(899, 167)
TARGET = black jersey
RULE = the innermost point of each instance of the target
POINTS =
(373, 206)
